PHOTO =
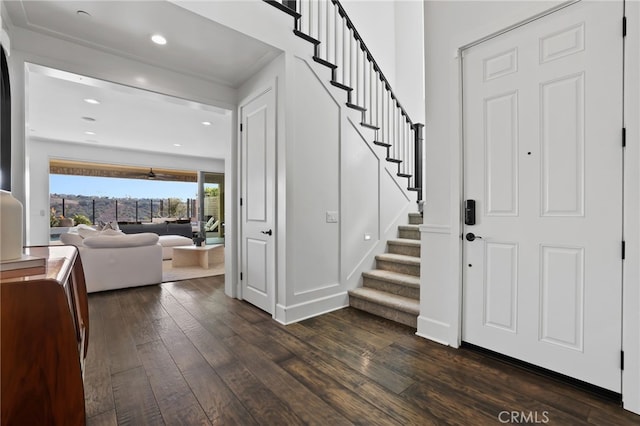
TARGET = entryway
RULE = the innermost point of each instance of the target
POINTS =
(543, 162)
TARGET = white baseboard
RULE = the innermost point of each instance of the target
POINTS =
(291, 314)
(434, 330)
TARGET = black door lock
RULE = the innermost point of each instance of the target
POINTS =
(470, 212)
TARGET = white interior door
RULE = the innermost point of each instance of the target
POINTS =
(258, 137)
(542, 107)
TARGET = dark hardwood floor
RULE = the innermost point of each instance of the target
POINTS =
(185, 354)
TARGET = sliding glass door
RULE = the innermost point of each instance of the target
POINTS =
(211, 206)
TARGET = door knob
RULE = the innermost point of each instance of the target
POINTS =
(471, 236)
(269, 232)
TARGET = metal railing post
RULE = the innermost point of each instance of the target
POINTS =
(418, 148)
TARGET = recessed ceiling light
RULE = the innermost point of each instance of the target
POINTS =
(92, 101)
(89, 133)
(158, 39)
(176, 144)
(88, 119)
(206, 123)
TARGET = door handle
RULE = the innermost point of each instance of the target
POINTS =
(471, 236)
(269, 232)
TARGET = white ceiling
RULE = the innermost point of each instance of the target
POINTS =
(128, 117)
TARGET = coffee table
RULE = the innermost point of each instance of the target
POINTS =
(197, 255)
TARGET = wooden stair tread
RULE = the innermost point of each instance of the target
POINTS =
(394, 277)
(389, 300)
(399, 258)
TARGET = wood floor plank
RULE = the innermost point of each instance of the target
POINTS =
(218, 402)
(370, 341)
(346, 402)
(97, 377)
(228, 362)
(275, 351)
(387, 401)
(135, 401)
(149, 300)
(196, 304)
(108, 418)
(304, 403)
(177, 403)
(447, 387)
(121, 346)
(212, 348)
(259, 400)
(140, 327)
(498, 378)
(362, 363)
(372, 323)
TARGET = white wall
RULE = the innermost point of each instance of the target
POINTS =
(409, 57)
(376, 24)
(449, 26)
(393, 31)
(40, 151)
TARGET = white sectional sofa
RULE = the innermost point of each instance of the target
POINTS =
(113, 260)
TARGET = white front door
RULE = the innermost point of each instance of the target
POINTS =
(542, 108)
(258, 136)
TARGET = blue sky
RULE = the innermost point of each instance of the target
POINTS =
(120, 188)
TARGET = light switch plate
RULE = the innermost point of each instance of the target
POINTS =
(332, 217)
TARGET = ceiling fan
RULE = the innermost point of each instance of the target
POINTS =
(151, 175)
(164, 175)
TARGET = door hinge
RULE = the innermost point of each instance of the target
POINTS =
(240, 276)
(240, 126)
(624, 26)
(624, 137)
(241, 201)
(624, 249)
(621, 360)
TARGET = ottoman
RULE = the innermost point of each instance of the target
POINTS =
(168, 242)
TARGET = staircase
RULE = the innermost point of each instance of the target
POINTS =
(392, 290)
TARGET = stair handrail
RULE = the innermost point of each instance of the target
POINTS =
(291, 7)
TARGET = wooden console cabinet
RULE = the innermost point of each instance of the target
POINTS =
(44, 334)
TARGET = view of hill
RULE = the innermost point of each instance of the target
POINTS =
(107, 209)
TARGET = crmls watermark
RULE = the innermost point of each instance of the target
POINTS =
(524, 417)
